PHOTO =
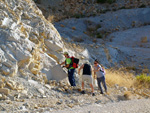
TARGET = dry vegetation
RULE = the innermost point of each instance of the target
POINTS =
(119, 77)
(140, 83)
(124, 78)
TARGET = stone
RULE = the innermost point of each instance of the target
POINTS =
(2, 84)
(48, 86)
(123, 88)
(5, 70)
(5, 91)
(41, 91)
(1, 96)
(11, 84)
(116, 86)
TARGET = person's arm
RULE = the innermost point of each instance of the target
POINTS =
(95, 74)
(62, 63)
(99, 67)
(80, 69)
(92, 72)
(67, 65)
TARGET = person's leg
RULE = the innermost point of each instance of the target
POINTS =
(83, 79)
(82, 85)
(104, 84)
(99, 84)
(90, 81)
(71, 77)
(92, 88)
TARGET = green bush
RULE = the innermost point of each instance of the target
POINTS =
(143, 78)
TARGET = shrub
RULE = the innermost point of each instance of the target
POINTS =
(98, 26)
(37, 1)
(142, 6)
(101, 1)
(143, 78)
(106, 1)
(111, 1)
(98, 35)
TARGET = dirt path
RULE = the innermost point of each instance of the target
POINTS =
(132, 106)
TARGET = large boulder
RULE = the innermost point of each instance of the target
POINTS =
(29, 43)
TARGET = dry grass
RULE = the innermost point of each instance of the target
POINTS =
(50, 18)
(123, 78)
(119, 77)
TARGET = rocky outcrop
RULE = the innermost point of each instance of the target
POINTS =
(29, 44)
(62, 9)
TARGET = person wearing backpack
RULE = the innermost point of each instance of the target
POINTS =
(99, 71)
(87, 76)
(71, 69)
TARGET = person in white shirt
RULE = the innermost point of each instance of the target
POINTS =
(99, 72)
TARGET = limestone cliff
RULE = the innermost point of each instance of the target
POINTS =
(29, 44)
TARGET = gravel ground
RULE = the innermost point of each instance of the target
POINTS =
(132, 106)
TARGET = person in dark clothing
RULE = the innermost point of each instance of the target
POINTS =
(86, 76)
(71, 69)
(99, 71)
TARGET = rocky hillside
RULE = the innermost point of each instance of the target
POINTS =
(31, 48)
(62, 9)
(29, 43)
(118, 32)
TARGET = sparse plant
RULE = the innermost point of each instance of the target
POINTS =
(110, 1)
(142, 6)
(106, 1)
(79, 16)
(131, 68)
(98, 35)
(98, 26)
(50, 18)
(143, 79)
(101, 1)
(37, 1)
(123, 7)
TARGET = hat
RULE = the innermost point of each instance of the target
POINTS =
(65, 53)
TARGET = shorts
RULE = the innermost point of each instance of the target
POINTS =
(87, 78)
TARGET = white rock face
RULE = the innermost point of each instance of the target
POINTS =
(28, 41)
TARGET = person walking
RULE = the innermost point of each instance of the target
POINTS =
(68, 64)
(99, 71)
(87, 76)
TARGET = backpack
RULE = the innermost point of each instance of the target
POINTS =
(75, 62)
(102, 70)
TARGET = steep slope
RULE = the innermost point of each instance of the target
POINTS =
(29, 43)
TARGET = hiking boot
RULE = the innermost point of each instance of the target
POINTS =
(93, 94)
(83, 92)
(101, 93)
